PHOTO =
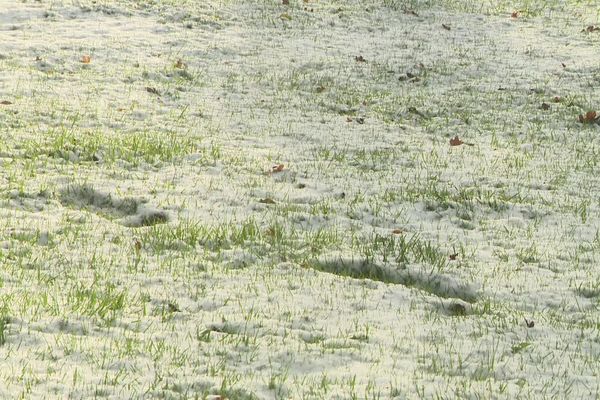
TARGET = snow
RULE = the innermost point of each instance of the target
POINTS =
(151, 247)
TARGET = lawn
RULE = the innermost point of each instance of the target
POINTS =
(303, 199)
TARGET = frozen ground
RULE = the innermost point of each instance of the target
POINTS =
(248, 199)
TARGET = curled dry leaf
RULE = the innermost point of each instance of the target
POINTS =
(180, 64)
(456, 141)
(86, 59)
(591, 28)
(529, 323)
(152, 90)
(277, 168)
(589, 117)
(515, 14)
(267, 200)
(397, 231)
(137, 244)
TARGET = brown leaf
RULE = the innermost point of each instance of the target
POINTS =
(456, 141)
(267, 200)
(5, 102)
(180, 64)
(277, 168)
(86, 59)
(446, 27)
(545, 106)
(152, 90)
(349, 119)
(591, 28)
(589, 117)
(397, 231)
(360, 59)
(515, 14)
(529, 323)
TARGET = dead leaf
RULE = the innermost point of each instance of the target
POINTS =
(453, 256)
(267, 200)
(86, 59)
(515, 14)
(277, 168)
(137, 243)
(6, 102)
(557, 99)
(529, 323)
(446, 27)
(180, 64)
(360, 59)
(349, 119)
(545, 106)
(152, 90)
(589, 117)
(591, 28)
(456, 141)
(397, 231)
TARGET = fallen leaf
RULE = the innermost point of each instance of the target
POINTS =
(515, 14)
(277, 168)
(545, 106)
(591, 28)
(137, 243)
(446, 27)
(529, 323)
(267, 200)
(349, 119)
(589, 117)
(360, 59)
(180, 64)
(456, 141)
(152, 90)
(453, 256)
(397, 231)
(86, 59)
(5, 102)
(557, 99)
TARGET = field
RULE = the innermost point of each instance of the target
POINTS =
(322, 199)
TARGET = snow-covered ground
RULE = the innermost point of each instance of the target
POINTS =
(257, 200)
